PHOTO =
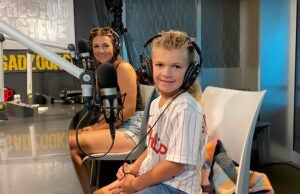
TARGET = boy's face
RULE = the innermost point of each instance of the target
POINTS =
(169, 67)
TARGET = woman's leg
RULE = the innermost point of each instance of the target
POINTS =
(76, 157)
(95, 141)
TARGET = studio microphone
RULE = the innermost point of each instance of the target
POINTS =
(84, 50)
(73, 54)
(109, 97)
(87, 77)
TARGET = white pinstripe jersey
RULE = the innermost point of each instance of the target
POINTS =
(179, 136)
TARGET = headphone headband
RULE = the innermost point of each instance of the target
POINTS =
(191, 73)
(193, 43)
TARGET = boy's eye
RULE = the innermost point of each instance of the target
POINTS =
(158, 65)
(176, 66)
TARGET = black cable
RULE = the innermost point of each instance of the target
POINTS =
(142, 140)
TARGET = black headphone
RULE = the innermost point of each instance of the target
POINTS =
(117, 46)
(191, 74)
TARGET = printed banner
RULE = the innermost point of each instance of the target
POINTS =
(16, 61)
(41, 20)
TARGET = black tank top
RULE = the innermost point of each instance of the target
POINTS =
(93, 115)
(138, 105)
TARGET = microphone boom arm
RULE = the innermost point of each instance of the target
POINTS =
(36, 47)
(85, 76)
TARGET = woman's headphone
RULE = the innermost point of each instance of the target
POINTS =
(190, 76)
(117, 46)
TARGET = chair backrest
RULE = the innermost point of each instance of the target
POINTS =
(231, 116)
(148, 94)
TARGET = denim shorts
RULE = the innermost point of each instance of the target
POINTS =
(132, 126)
(161, 188)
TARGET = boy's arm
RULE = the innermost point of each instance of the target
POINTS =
(165, 170)
(132, 168)
(137, 164)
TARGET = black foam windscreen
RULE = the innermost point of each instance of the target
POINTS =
(84, 46)
(84, 54)
(110, 99)
(71, 47)
(107, 76)
(73, 53)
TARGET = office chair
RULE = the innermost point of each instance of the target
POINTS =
(231, 117)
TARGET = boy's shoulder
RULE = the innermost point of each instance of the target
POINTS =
(186, 101)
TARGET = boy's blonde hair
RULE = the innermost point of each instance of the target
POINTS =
(179, 40)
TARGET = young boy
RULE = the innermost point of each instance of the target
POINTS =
(176, 126)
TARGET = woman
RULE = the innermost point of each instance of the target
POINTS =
(96, 138)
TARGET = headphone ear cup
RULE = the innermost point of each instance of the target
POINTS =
(191, 75)
(117, 46)
(146, 68)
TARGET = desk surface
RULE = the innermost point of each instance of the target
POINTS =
(34, 153)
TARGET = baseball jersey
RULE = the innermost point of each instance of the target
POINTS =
(179, 136)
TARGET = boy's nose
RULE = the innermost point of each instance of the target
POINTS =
(167, 71)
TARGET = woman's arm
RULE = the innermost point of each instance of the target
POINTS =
(128, 85)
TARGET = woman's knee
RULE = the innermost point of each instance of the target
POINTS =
(71, 140)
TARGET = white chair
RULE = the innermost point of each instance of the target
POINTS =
(148, 93)
(231, 116)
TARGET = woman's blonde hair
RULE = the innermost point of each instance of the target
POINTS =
(179, 40)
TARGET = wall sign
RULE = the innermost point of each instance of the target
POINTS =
(16, 61)
(41, 20)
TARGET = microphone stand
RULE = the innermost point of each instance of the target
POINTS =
(3, 115)
(29, 76)
(119, 27)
